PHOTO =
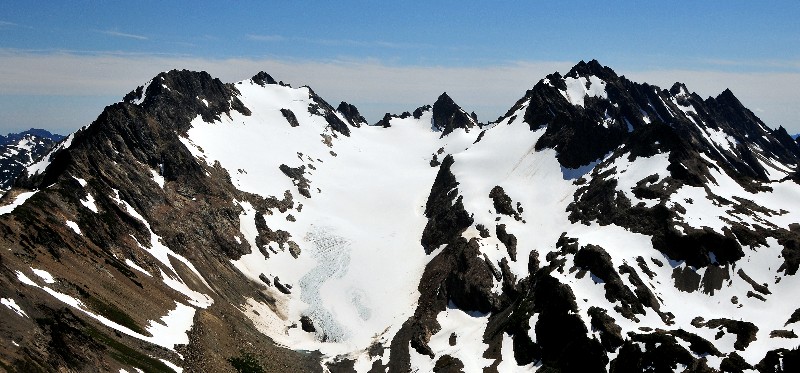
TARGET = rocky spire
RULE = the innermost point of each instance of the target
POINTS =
(448, 116)
(350, 112)
(263, 79)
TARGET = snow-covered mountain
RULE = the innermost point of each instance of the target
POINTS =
(18, 150)
(599, 225)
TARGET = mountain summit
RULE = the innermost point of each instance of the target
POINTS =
(448, 116)
(599, 225)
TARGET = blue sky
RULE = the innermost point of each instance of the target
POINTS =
(61, 62)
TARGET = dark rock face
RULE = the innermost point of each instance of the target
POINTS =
(469, 284)
(352, 115)
(455, 276)
(193, 215)
(600, 200)
(560, 332)
(697, 246)
(662, 353)
(281, 287)
(446, 220)
(794, 318)
(610, 332)
(418, 111)
(780, 361)
(508, 240)
(290, 117)
(502, 203)
(745, 331)
(582, 134)
(448, 116)
(385, 121)
(297, 174)
(263, 79)
(734, 363)
(448, 364)
(598, 262)
(321, 107)
(267, 236)
(307, 325)
(572, 130)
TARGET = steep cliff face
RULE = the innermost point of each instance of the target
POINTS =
(599, 225)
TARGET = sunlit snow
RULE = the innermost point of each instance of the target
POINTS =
(577, 89)
(12, 305)
(18, 201)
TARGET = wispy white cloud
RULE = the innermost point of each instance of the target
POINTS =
(5, 25)
(366, 43)
(374, 86)
(756, 64)
(267, 38)
(338, 42)
(370, 84)
(123, 34)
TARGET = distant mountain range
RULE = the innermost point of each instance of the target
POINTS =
(600, 225)
(19, 150)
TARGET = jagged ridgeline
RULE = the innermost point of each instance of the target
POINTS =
(20, 150)
(600, 225)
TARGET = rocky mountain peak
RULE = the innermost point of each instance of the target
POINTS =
(321, 107)
(591, 111)
(184, 81)
(418, 111)
(263, 78)
(679, 89)
(592, 68)
(186, 94)
(448, 116)
(727, 98)
(196, 224)
(350, 112)
(444, 98)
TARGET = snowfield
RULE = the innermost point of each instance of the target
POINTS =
(334, 218)
(361, 257)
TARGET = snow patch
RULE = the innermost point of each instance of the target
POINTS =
(89, 203)
(172, 366)
(176, 319)
(157, 178)
(18, 201)
(577, 89)
(630, 172)
(12, 305)
(163, 254)
(508, 363)
(74, 226)
(171, 329)
(469, 347)
(42, 164)
(133, 265)
(44, 275)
